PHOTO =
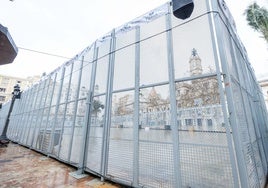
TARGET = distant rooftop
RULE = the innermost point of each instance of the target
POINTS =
(8, 49)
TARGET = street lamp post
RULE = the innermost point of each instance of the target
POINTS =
(16, 95)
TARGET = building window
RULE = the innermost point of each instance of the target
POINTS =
(199, 122)
(2, 90)
(209, 122)
(2, 98)
(188, 122)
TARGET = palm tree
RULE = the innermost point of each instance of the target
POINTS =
(257, 18)
(97, 107)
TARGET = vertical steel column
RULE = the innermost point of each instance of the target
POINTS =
(222, 99)
(75, 108)
(217, 33)
(12, 126)
(173, 102)
(30, 108)
(56, 113)
(136, 111)
(250, 96)
(30, 114)
(65, 106)
(107, 113)
(24, 110)
(31, 119)
(46, 89)
(39, 115)
(86, 128)
(49, 108)
(259, 138)
(260, 113)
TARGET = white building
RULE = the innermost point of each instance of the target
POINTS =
(7, 84)
(264, 87)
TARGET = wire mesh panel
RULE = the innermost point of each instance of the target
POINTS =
(32, 127)
(156, 163)
(97, 111)
(56, 142)
(204, 153)
(120, 160)
(31, 104)
(26, 117)
(43, 97)
(158, 102)
(36, 114)
(256, 148)
(205, 166)
(242, 96)
(84, 78)
(120, 156)
(13, 130)
(67, 132)
(44, 135)
(95, 141)
(241, 117)
(75, 142)
(78, 132)
(3, 116)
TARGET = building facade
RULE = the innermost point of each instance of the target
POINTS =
(264, 86)
(198, 104)
(7, 84)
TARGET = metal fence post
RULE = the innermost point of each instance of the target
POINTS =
(49, 107)
(173, 102)
(23, 122)
(136, 111)
(107, 113)
(37, 114)
(65, 106)
(75, 108)
(32, 114)
(217, 33)
(86, 128)
(222, 99)
(45, 92)
(56, 113)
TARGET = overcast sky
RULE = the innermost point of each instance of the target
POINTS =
(66, 27)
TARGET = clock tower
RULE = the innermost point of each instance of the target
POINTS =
(195, 64)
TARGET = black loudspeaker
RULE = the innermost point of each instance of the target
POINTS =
(182, 8)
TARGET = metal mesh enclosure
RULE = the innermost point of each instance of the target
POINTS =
(157, 102)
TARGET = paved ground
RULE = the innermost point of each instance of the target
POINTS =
(21, 167)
